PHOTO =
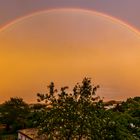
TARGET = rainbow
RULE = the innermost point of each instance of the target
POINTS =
(110, 18)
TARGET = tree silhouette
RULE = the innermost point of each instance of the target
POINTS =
(83, 115)
(13, 113)
(69, 115)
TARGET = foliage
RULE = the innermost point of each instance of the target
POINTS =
(13, 113)
(130, 115)
(83, 115)
(75, 115)
(34, 115)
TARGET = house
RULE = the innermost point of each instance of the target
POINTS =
(30, 134)
(111, 104)
(27, 134)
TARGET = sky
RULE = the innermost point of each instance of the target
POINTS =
(126, 10)
(69, 40)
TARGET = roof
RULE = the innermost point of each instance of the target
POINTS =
(31, 133)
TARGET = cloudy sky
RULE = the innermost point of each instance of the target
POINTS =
(66, 40)
(126, 10)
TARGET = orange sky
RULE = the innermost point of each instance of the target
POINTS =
(64, 46)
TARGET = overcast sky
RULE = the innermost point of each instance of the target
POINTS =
(126, 10)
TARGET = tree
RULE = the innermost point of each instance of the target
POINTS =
(35, 115)
(83, 115)
(13, 113)
(70, 115)
(129, 116)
